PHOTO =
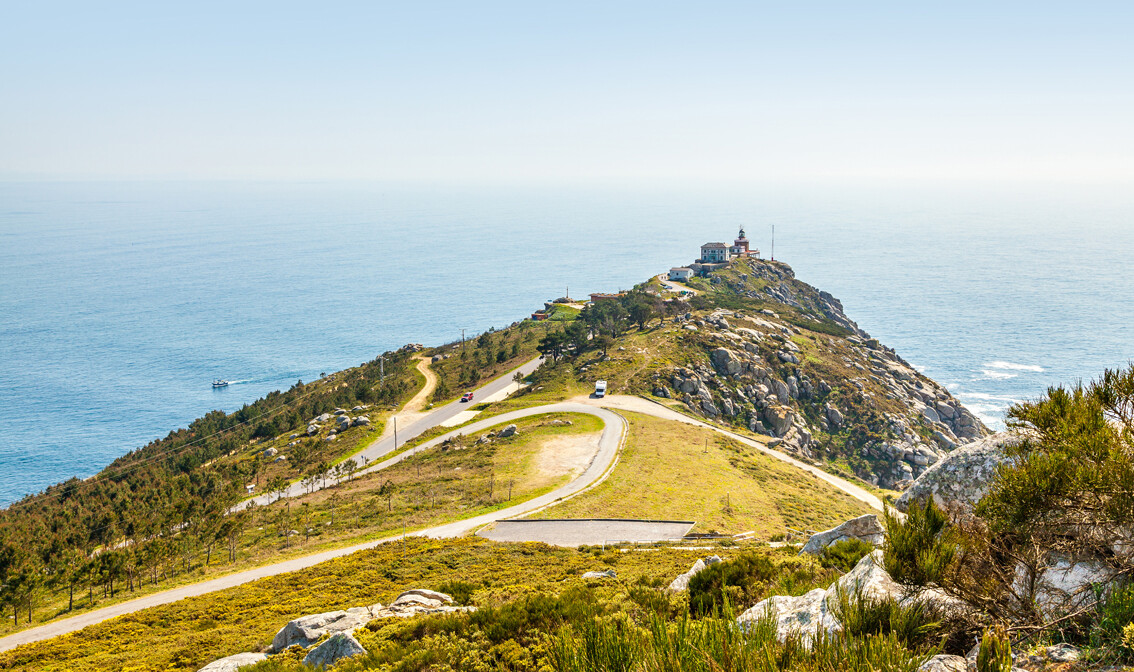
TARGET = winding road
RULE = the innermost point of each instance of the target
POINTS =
(407, 431)
(610, 443)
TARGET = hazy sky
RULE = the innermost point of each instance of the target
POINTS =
(567, 92)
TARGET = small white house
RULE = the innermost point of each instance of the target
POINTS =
(680, 273)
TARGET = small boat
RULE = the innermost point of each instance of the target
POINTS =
(220, 383)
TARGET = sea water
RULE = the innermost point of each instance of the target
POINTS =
(121, 302)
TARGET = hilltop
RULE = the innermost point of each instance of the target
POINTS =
(757, 349)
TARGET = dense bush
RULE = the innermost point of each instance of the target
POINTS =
(915, 624)
(920, 549)
(749, 578)
(843, 555)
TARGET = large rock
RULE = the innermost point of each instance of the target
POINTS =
(1065, 586)
(414, 600)
(321, 418)
(803, 616)
(233, 663)
(339, 646)
(428, 594)
(307, 630)
(727, 362)
(344, 422)
(361, 420)
(867, 528)
(870, 579)
(507, 431)
(780, 418)
(682, 581)
(834, 416)
(807, 615)
(960, 479)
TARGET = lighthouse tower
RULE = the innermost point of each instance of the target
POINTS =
(739, 246)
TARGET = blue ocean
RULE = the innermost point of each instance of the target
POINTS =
(121, 302)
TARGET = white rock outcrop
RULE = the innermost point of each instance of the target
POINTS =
(307, 630)
(606, 574)
(945, 663)
(430, 594)
(342, 645)
(233, 663)
(867, 528)
(807, 615)
(682, 581)
(961, 478)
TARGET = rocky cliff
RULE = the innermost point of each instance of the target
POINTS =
(779, 357)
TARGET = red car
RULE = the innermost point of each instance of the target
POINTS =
(467, 397)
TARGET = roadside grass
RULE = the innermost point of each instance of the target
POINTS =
(192, 632)
(428, 489)
(667, 472)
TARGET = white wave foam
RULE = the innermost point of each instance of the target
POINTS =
(981, 396)
(998, 375)
(1012, 366)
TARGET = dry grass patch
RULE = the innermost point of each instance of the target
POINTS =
(670, 470)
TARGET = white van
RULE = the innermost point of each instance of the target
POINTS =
(600, 388)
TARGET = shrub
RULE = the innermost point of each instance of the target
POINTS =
(921, 549)
(610, 645)
(1114, 624)
(749, 578)
(460, 591)
(915, 624)
(844, 555)
(995, 651)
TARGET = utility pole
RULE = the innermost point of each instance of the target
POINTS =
(395, 432)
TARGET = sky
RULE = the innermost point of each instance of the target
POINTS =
(567, 92)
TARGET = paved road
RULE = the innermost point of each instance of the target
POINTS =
(671, 286)
(592, 532)
(613, 434)
(385, 445)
